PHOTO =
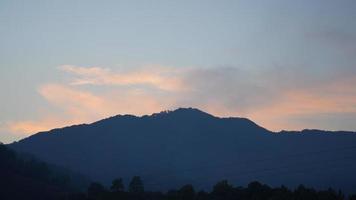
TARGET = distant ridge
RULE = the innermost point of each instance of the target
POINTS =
(316, 131)
(188, 145)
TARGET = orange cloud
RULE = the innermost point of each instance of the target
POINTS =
(77, 106)
(158, 77)
(335, 97)
(217, 91)
(26, 128)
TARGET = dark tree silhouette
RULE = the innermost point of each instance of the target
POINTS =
(186, 192)
(256, 190)
(96, 191)
(136, 185)
(223, 190)
(303, 193)
(117, 185)
(201, 195)
(330, 194)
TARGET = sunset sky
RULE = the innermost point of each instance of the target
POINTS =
(284, 64)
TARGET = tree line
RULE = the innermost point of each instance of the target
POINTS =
(25, 177)
(28, 178)
(222, 190)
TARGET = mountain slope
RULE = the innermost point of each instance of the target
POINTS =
(190, 146)
(25, 177)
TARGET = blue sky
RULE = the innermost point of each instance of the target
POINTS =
(284, 64)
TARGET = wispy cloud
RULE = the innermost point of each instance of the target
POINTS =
(334, 98)
(272, 101)
(159, 77)
(75, 106)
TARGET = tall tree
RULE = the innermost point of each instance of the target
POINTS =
(223, 190)
(186, 192)
(117, 185)
(136, 185)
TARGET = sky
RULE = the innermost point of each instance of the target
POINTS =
(287, 65)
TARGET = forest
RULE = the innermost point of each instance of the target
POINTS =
(25, 177)
(222, 190)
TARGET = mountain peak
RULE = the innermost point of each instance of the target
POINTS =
(163, 145)
(184, 112)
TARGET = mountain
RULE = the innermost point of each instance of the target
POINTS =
(187, 145)
(25, 177)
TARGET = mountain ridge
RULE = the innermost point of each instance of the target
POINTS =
(164, 113)
(197, 111)
(170, 142)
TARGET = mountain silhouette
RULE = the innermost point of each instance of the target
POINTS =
(171, 148)
(25, 177)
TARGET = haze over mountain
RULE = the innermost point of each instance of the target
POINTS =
(187, 145)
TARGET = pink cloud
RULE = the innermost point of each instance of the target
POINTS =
(159, 77)
(78, 106)
(218, 91)
(29, 127)
(335, 97)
